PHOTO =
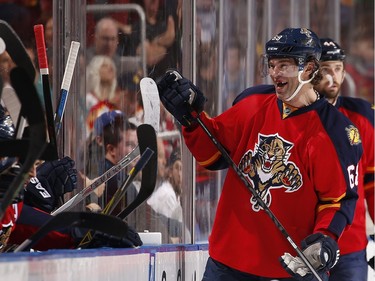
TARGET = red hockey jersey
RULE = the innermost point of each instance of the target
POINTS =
(293, 164)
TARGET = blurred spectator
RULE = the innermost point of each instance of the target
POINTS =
(144, 217)
(38, 81)
(126, 98)
(113, 138)
(166, 199)
(48, 33)
(101, 86)
(207, 50)
(169, 126)
(20, 18)
(206, 21)
(162, 37)
(105, 41)
(45, 7)
(121, 18)
(234, 74)
(9, 98)
(360, 65)
(162, 163)
(6, 65)
(207, 76)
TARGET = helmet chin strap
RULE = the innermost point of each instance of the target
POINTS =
(301, 83)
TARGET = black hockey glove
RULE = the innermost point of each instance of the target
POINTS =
(53, 180)
(320, 250)
(181, 98)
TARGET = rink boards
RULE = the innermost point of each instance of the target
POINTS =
(164, 263)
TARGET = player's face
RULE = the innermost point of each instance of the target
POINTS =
(284, 74)
(333, 75)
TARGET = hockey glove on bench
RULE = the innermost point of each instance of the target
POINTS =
(53, 180)
(181, 98)
(320, 250)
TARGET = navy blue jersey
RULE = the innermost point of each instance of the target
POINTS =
(361, 113)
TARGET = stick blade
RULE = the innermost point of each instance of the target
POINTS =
(95, 221)
(146, 138)
(151, 102)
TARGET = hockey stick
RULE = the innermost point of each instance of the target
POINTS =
(259, 200)
(43, 68)
(33, 111)
(65, 85)
(124, 162)
(149, 174)
(99, 222)
(120, 192)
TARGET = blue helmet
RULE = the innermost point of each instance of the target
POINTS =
(298, 43)
(331, 50)
(7, 132)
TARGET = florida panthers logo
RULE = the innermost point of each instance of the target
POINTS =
(268, 168)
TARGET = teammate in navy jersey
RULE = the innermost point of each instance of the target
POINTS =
(353, 263)
(293, 147)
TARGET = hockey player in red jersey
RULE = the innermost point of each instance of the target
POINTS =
(352, 244)
(293, 147)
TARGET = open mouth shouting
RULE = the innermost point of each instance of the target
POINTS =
(280, 85)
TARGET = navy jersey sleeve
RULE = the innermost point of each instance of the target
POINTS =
(345, 138)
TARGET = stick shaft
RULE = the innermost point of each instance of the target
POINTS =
(102, 179)
(44, 72)
(65, 85)
(145, 157)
